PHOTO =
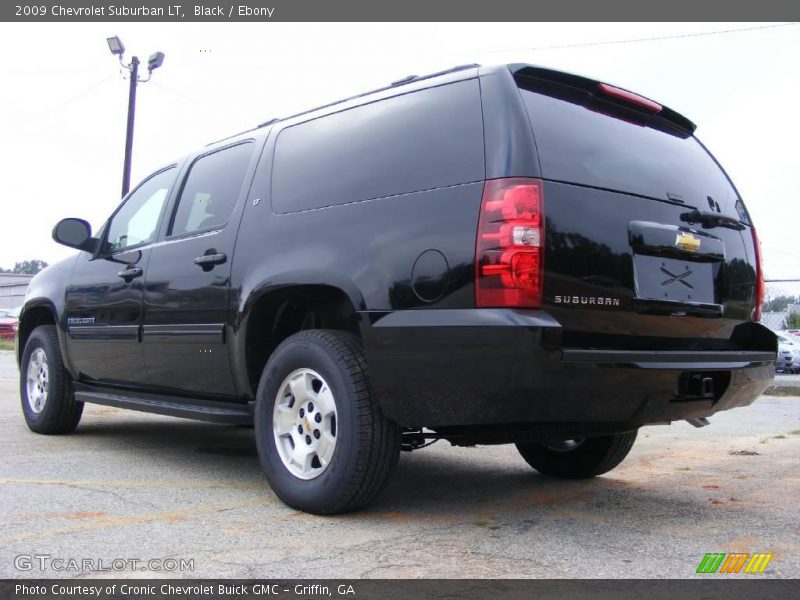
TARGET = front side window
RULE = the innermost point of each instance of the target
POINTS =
(137, 221)
(211, 190)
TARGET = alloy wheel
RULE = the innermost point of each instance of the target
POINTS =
(304, 423)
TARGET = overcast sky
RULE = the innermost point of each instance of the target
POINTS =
(63, 100)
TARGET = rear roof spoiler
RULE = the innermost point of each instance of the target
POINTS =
(594, 88)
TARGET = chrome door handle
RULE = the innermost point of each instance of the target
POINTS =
(130, 273)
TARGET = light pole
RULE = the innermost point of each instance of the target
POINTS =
(156, 60)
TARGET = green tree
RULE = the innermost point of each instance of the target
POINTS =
(792, 321)
(29, 267)
(779, 303)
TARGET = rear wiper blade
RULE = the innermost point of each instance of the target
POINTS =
(709, 220)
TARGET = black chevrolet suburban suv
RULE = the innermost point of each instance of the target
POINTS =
(483, 255)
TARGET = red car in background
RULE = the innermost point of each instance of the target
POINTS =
(9, 321)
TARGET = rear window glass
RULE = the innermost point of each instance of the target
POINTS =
(418, 141)
(579, 145)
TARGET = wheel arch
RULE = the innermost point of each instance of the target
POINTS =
(36, 312)
(274, 311)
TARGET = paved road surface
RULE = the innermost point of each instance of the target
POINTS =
(133, 486)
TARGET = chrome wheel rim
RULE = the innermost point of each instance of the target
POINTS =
(37, 380)
(304, 424)
(563, 445)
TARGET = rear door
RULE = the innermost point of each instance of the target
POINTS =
(187, 282)
(646, 236)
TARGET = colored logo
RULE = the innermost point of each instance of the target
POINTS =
(743, 562)
(687, 241)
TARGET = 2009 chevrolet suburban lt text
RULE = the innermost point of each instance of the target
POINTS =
(486, 255)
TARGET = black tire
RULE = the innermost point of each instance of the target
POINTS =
(367, 444)
(593, 456)
(60, 412)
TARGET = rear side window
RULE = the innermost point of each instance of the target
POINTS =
(418, 141)
(579, 145)
(211, 189)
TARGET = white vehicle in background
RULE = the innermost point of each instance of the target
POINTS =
(788, 353)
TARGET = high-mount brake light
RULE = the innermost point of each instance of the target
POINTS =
(630, 97)
(509, 253)
(759, 277)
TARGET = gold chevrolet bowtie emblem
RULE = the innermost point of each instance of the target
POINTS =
(687, 241)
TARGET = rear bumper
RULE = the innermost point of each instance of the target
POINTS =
(437, 368)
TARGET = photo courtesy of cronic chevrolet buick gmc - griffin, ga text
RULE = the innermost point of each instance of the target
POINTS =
(485, 255)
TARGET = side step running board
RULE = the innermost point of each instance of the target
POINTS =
(188, 408)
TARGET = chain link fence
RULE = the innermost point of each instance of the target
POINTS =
(781, 304)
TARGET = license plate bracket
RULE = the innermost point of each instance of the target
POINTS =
(675, 280)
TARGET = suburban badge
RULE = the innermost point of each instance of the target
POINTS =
(587, 300)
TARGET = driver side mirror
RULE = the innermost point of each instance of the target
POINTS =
(75, 233)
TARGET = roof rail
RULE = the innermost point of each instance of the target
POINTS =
(259, 126)
(411, 78)
(230, 137)
(399, 82)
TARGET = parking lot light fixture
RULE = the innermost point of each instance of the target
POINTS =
(155, 61)
(116, 46)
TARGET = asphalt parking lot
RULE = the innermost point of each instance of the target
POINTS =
(133, 486)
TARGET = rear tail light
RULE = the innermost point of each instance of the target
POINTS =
(509, 254)
(759, 277)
